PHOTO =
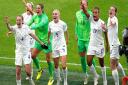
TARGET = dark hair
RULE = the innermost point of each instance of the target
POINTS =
(41, 5)
(97, 8)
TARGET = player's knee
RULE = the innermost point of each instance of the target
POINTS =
(102, 64)
(63, 66)
(82, 53)
(18, 70)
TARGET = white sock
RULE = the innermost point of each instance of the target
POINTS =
(32, 69)
(120, 68)
(18, 82)
(115, 76)
(103, 69)
(31, 81)
(57, 73)
(92, 69)
(65, 71)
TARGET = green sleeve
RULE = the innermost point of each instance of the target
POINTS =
(43, 22)
(76, 29)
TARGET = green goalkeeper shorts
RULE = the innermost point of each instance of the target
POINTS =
(38, 46)
(82, 46)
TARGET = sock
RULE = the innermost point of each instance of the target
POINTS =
(83, 64)
(18, 82)
(120, 68)
(51, 69)
(115, 76)
(65, 71)
(103, 69)
(37, 63)
(93, 62)
(57, 73)
(31, 81)
(92, 69)
(32, 69)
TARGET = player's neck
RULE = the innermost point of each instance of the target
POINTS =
(28, 13)
(56, 21)
(96, 19)
(39, 14)
(19, 25)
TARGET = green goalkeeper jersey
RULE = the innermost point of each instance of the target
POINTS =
(82, 29)
(39, 23)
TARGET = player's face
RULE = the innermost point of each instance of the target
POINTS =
(111, 11)
(55, 15)
(19, 20)
(38, 9)
(95, 14)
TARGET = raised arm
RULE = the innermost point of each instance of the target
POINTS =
(6, 19)
(28, 8)
(24, 1)
(85, 10)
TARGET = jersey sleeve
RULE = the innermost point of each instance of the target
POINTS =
(76, 29)
(65, 27)
(76, 26)
(49, 27)
(91, 18)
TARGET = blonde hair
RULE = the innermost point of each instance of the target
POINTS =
(56, 10)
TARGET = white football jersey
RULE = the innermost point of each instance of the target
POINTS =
(22, 38)
(96, 37)
(26, 20)
(26, 17)
(113, 31)
(57, 30)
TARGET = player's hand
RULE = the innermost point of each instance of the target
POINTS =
(84, 4)
(103, 26)
(9, 33)
(6, 19)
